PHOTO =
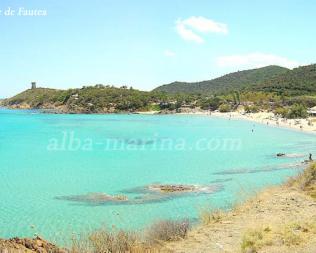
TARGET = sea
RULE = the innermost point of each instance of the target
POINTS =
(68, 174)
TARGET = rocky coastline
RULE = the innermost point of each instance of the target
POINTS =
(27, 245)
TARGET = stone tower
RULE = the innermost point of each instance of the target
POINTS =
(33, 85)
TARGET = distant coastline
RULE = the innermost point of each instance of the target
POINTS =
(307, 125)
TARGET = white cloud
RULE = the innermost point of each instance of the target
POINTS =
(188, 34)
(255, 60)
(189, 27)
(205, 25)
(169, 53)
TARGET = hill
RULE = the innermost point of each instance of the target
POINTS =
(299, 81)
(233, 81)
(94, 99)
(268, 88)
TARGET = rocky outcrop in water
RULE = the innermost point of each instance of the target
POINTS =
(147, 194)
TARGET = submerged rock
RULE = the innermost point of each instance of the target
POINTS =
(147, 194)
(269, 168)
(182, 188)
(97, 197)
(294, 155)
(169, 188)
(280, 154)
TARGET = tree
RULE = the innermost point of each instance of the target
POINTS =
(281, 111)
(225, 108)
(210, 103)
(297, 111)
(251, 109)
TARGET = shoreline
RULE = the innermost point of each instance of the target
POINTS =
(307, 125)
(263, 118)
(272, 121)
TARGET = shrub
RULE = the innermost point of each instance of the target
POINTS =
(167, 230)
(251, 109)
(121, 241)
(104, 241)
(114, 241)
(210, 103)
(224, 108)
(281, 111)
(297, 111)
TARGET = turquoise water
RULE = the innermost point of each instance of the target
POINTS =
(46, 156)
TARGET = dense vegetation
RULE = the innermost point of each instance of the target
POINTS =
(299, 81)
(97, 98)
(235, 81)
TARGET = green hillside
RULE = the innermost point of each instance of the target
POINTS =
(92, 99)
(233, 81)
(299, 81)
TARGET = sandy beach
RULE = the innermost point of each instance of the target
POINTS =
(269, 118)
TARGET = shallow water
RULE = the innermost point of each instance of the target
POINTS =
(45, 157)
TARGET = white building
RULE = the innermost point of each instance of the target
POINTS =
(312, 111)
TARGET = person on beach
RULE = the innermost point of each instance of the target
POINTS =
(310, 157)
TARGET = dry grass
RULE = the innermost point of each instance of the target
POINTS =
(208, 217)
(290, 235)
(255, 239)
(305, 180)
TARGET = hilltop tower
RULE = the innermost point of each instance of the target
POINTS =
(33, 85)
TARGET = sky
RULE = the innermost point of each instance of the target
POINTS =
(147, 43)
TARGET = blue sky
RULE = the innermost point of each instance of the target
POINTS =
(143, 43)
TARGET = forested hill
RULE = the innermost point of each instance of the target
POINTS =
(233, 81)
(299, 81)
